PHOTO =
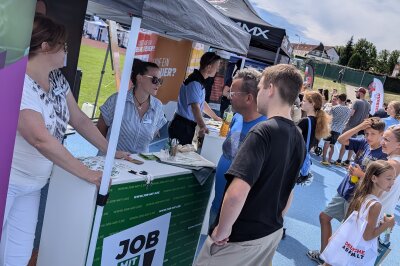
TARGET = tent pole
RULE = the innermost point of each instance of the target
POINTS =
(112, 145)
(243, 62)
(101, 80)
(277, 55)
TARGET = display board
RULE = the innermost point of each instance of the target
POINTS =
(178, 201)
(143, 223)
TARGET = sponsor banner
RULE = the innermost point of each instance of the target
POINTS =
(146, 45)
(376, 94)
(195, 56)
(143, 244)
(309, 77)
(138, 215)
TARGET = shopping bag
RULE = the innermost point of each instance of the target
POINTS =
(347, 246)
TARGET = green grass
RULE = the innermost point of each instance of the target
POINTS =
(91, 62)
(321, 83)
(390, 96)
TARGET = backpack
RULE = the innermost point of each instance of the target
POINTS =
(305, 176)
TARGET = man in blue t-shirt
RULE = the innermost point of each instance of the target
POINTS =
(366, 149)
(243, 95)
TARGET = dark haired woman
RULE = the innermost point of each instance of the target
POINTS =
(47, 107)
(191, 102)
(143, 114)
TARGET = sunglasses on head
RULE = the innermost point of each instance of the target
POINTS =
(155, 80)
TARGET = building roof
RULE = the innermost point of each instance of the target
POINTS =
(309, 47)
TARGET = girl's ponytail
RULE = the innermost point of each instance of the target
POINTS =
(323, 124)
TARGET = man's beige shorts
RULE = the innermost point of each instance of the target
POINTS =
(258, 252)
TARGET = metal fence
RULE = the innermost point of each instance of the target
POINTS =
(351, 76)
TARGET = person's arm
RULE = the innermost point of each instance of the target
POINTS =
(371, 231)
(357, 171)
(288, 204)
(345, 137)
(32, 128)
(232, 205)
(244, 171)
(102, 127)
(225, 91)
(199, 119)
(208, 111)
(303, 126)
(87, 129)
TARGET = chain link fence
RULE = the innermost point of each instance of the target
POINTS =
(351, 76)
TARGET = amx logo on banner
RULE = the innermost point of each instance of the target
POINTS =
(256, 31)
(142, 245)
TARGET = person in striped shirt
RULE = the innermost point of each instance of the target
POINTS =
(340, 114)
(143, 114)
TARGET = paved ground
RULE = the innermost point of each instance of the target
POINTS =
(303, 230)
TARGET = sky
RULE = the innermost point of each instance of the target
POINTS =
(334, 22)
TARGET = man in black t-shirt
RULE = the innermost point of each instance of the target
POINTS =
(260, 179)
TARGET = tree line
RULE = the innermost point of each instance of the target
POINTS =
(363, 55)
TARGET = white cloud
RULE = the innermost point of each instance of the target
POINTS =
(333, 22)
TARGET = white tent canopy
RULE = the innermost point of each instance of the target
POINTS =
(195, 20)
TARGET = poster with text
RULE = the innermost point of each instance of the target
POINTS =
(376, 94)
(141, 245)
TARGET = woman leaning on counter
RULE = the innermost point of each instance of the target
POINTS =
(143, 114)
(47, 106)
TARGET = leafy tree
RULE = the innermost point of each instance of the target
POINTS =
(382, 62)
(367, 52)
(355, 61)
(346, 52)
(392, 61)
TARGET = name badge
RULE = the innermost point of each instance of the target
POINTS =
(147, 121)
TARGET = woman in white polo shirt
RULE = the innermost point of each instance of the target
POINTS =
(47, 106)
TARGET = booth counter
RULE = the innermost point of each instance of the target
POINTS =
(152, 219)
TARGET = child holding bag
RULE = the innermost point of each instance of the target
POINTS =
(355, 242)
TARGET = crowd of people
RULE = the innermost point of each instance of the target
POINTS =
(261, 156)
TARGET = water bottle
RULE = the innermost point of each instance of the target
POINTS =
(353, 178)
(386, 236)
(227, 119)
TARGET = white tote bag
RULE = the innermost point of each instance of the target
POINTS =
(347, 246)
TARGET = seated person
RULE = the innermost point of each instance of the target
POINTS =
(143, 115)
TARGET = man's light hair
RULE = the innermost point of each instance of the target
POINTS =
(251, 77)
(286, 78)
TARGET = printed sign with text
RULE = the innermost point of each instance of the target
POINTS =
(141, 245)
